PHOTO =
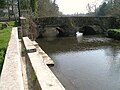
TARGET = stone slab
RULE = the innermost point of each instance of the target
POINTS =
(29, 45)
(46, 78)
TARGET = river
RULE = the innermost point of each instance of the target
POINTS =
(90, 63)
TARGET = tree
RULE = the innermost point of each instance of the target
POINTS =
(24, 4)
(40, 8)
(54, 1)
(111, 8)
(2, 3)
(11, 5)
(92, 8)
(102, 9)
(33, 5)
(47, 8)
(89, 8)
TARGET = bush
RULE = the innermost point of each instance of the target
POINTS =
(114, 33)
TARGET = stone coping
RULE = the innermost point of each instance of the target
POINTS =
(45, 76)
(11, 76)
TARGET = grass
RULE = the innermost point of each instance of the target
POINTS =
(0, 26)
(114, 33)
(116, 30)
(11, 23)
(4, 39)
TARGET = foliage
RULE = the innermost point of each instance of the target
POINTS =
(47, 8)
(29, 5)
(33, 5)
(12, 23)
(39, 8)
(102, 10)
(109, 8)
(0, 25)
(116, 30)
(2, 3)
(24, 4)
(114, 33)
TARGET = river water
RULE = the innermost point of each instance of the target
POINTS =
(90, 63)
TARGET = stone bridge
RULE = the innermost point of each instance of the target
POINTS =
(67, 26)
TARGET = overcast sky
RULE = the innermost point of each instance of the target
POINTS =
(74, 6)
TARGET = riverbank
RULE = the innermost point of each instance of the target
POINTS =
(4, 39)
(114, 33)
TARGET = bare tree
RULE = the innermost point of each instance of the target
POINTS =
(54, 1)
(92, 7)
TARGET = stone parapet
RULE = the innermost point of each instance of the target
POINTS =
(11, 76)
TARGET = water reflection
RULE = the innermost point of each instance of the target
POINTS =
(79, 36)
(50, 32)
(114, 60)
(79, 39)
(93, 64)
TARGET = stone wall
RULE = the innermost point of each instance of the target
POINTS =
(11, 76)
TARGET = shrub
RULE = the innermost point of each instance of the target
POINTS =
(114, 33)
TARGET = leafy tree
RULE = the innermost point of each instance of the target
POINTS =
(40, 8)
(2, 3)
(24, 4)
(102, 10)
(110, 8)
(33, 4)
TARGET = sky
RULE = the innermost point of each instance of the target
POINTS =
(75, 6)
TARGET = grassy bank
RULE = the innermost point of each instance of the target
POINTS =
(114, 33)
(4, 39)
(116, 30)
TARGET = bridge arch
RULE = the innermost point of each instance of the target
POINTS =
(50, 31)
(91, 30)
(88, 30)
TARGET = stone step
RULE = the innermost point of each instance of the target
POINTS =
(46, 58)
(29, 45)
